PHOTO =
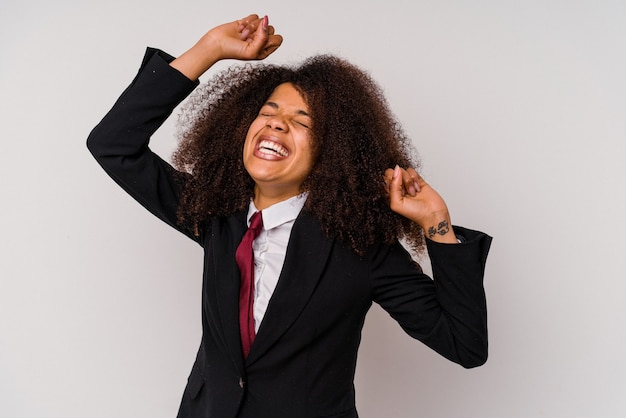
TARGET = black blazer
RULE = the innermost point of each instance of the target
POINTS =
(303, 359)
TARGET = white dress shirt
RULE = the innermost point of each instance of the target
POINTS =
(270, 248)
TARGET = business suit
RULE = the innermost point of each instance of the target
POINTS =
(303, 359)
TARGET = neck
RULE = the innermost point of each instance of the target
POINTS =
(264, 198)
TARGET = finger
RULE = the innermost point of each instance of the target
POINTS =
(260, 37)
(244, 33)
(416, 178)
(408, 182)
(272, 45)
(245, 22)
(249, 26)
(388, 175)
(396, 190)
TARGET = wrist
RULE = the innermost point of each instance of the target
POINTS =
(198, 59)
(438, 227)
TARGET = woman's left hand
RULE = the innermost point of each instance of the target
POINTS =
(413, 198)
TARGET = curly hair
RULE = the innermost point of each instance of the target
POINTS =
(355, 136)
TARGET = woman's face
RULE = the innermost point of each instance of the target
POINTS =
(278, 151)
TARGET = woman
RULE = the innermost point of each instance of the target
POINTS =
(315, 150)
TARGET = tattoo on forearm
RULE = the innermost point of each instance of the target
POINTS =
(441, 229)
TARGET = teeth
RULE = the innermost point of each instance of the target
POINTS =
(272, 147)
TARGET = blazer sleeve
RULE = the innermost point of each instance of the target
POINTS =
(448, 313)
(120, 141)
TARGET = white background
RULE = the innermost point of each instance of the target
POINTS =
(518, 109)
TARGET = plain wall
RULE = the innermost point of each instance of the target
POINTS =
(518, 110)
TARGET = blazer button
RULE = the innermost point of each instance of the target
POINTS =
(241, 383)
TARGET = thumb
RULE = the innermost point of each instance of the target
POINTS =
(396, 192)
(261, 35)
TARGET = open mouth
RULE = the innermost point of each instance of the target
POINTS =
(272, 148)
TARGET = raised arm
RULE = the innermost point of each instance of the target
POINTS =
(120, 141)
(449, 313)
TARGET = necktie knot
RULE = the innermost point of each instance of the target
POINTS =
(256, 223)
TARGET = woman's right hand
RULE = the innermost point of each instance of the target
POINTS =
(250, 38)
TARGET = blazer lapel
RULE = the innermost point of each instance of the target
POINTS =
(306, 256)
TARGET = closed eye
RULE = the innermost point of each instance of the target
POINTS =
(269, 110)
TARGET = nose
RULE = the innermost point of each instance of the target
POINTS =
(277, 122)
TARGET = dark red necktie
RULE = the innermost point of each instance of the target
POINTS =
(245, 261)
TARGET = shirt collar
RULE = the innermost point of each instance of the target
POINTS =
(279, 213)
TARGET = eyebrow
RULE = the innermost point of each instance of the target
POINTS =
(274, 105)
